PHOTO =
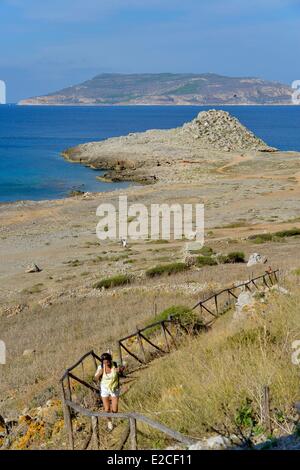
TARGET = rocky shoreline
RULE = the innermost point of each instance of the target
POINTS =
(144, 157)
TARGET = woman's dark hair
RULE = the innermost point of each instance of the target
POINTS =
(106, 357)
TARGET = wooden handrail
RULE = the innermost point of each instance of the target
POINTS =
(83, 382)
(227, 289)
(90, 353)
(138, 417)
(141, 330)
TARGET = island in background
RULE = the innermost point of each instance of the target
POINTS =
(168, 89)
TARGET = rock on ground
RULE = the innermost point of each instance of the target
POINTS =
(256, 258)
(33, 268)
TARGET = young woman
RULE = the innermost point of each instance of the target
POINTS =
(109, 386)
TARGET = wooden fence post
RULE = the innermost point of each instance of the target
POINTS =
(141, 345)
(95, 432)
(165, 336)
(133, 436)
(95, 362)
(216, 303)
(120, 358)
(266, 409)
(67, 418)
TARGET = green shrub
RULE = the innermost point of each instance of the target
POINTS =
(206, 261)
(235, 257)
(119, 280)
(245, 416)
(232, 257)
(171, 268)
(288, 233)
(185, 314)
(261, 237)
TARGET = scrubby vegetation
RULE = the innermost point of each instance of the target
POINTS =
(169, 269)
(276, 236)
(210, 260)
(232, 257)
(186, 316)
(115, 281)
(34, 289)
(206, 261)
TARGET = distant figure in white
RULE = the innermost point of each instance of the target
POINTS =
(124, 242)
(2, 92)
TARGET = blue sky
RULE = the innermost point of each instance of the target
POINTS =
(48, 44)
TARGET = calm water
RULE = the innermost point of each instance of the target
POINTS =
(31, 139)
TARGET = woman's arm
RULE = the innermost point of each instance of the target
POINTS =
(98, 374)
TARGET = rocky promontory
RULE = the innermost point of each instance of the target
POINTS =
(141, 156)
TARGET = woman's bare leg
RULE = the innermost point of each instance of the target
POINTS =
(106, 404)
(107, 409)
(114, 404)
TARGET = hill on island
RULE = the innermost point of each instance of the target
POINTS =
(167, 89)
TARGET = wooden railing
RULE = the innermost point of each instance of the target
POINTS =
(141, 338)
(213, 305)
(130, 431)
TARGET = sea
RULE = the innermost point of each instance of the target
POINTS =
(33, 137)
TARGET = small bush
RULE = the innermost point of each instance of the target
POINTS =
(206, 261)
(188, 318)
(261, 237)
(119, 280)
(169, 269)
(259, 240)
(235, 257)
